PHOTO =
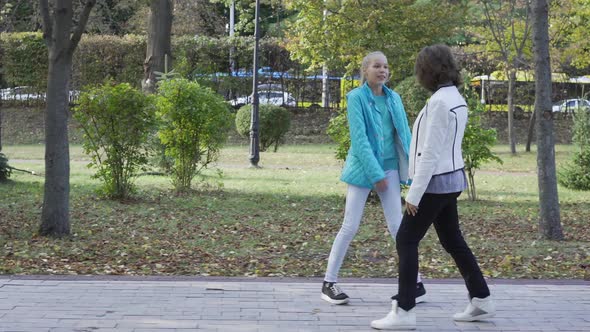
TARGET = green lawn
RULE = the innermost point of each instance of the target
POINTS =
(279, 220)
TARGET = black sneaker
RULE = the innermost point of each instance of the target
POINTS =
(333, 293)
(420, 293)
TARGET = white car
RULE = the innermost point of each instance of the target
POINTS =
(267, 97)
(26, 93)
(571, 105)
(21, 93)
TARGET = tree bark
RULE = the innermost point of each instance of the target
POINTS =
(0, 123)
(549, 214)
(510, 97)
(158, 44)
(57, 26)
(530, 131)
(55, 216)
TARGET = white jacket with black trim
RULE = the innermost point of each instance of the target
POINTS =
(436, 140)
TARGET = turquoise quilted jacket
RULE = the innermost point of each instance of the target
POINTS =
(364, 162)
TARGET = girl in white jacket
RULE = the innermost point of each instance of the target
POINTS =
(438, 178)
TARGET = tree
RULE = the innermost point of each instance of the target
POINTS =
(568, 31)
(58, 23)
(477, 141)
(351, 29)
(507, 23)
(159, 42)
(107, 16)
(19, 15)
(272, 13)
(549, 215)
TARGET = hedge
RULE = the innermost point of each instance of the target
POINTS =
(120, 59)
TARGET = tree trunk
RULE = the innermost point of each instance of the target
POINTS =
(531, 128)
(325, 87)
(471, 185)
(0, 124)
(1, 115)
(511, 134)
(549, 215)
(56, 207)
(61, 41)
(158, 44)
(55, 218)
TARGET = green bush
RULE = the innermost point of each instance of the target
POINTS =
(5, 169)
(477, 141)
(194, 125)
(274, 123)
(413, 95)
(338, 132)
(576, 173)
(117, 121)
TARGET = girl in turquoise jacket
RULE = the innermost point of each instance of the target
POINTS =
(377, 159)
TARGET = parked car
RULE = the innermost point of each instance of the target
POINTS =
(262, 72)
(267, 97)
(21, 93)
(571, 105)
(26, 93)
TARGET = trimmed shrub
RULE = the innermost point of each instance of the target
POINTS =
(120, 59)
(194, 122)
(100, 57)
(274, 123)
(24, 60)
(117, 121)
(576, 173)
(5, 169)
(25, 63)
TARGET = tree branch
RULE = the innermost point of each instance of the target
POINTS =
(81, 24)
(497, 35)
(527, 28)
(47, 24)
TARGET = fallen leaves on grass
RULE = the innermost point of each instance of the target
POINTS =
(233, 234)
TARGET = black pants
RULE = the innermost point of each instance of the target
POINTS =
(440, 209)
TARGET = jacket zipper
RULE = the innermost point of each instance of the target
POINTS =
(456, 129)
(418, 136)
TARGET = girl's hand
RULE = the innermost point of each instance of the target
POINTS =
(411, 209)
(381, 186)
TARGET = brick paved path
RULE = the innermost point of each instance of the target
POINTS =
(47, 303)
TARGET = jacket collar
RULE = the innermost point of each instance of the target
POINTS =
(369, 93)
(444, 85)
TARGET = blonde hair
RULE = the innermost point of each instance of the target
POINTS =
(366, 61)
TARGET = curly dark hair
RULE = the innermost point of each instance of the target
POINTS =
(435, 65)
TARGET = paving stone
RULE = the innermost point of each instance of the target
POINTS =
(228, 304)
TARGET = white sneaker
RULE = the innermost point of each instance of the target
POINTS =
(396, 319)
(477, 309)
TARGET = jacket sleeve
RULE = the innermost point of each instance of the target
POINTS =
(437, 128)
(359, 141)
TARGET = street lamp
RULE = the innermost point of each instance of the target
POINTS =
(254, 123)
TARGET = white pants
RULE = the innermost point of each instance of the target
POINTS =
(356, 199)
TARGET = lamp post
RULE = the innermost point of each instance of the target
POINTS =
(232, 18)
(254, 123)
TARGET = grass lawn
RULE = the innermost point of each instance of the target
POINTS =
(279, 220)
